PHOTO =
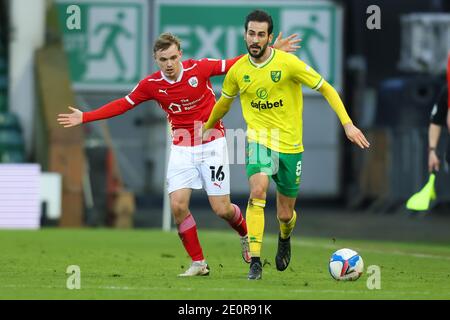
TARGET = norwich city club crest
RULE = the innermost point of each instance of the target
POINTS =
(276, 75)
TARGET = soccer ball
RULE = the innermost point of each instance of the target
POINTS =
(346, 264)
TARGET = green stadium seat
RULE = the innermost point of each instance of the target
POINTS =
(12, 145)
(3, 85)
(9, 121)
(12, 156)
(3, 101)
(10, 138)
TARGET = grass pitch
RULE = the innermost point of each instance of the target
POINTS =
(143, 264)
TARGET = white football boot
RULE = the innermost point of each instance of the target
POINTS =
(197, 268)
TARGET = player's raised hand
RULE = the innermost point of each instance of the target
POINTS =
(356, 136)
(70, 119)
(288, 44)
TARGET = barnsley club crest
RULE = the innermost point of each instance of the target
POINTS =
(193, 81)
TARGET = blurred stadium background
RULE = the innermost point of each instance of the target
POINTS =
(388, 78)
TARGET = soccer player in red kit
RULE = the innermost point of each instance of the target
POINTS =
(183, 90)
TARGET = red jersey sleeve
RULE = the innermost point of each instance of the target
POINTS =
(216, 67)
(109, 110)
(142, 92)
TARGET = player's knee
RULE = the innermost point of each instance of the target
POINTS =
(258, 192)
(224, 211)
(179, 209)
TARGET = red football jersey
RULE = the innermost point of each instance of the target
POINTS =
(188, 101)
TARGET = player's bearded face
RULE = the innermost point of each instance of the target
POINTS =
(169, 61)
(257, 38)
(256, 50)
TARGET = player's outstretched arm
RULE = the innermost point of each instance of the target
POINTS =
(219, 110)
(351, 131)
(70, 119)
(109, 110)
(289, 44)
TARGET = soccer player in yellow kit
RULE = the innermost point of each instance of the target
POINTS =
(269, 82)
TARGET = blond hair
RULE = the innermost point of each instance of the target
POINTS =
(164, 41)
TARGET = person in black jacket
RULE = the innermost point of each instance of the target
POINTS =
(438, 120)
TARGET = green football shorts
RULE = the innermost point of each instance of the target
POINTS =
(284, 168)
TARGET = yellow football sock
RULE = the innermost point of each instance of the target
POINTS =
(255, 225)
(287, 227)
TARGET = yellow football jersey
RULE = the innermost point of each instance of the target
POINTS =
(271, 98)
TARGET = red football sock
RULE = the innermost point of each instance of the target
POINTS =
(238, 222)
(187, 231)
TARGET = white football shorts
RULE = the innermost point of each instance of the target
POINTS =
(204, 166)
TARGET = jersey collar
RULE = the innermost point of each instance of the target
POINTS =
(261, 65)
(180, 76)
